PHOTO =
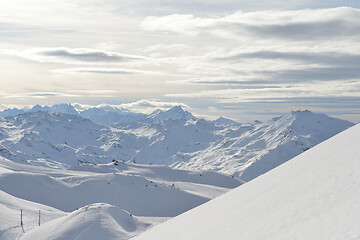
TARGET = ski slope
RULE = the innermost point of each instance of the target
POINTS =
(313, 196)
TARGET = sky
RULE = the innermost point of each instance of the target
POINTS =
(242, 59)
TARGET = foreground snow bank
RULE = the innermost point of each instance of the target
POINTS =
(313, 196)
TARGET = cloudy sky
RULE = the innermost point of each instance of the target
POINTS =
(243, 59)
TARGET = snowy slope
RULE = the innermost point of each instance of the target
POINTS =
(151, 194)
(313, 196)
(243, 150)
(141, 190)
(249, 150)
(95, 221)
(10, 206)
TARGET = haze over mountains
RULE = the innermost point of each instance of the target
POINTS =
(174, 138)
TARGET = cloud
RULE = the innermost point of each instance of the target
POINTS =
(206, 7)
(300, 25)
(315, 74)
(281, 93)
(141, 106)
(40, 95)
(75, 56)
(112, 71)
(150, 105)
(323, 58)
(64, 94)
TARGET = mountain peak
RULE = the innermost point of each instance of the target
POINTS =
(225, 121)
(177, 108)
(176, 112)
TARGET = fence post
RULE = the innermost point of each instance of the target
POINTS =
(21, 220)
(39, 217)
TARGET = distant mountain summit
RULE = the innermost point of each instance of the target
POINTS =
(60, 108)
(105, 114)
(174, 113)
(226, 121)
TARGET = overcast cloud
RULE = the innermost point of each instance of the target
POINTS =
(240, 58)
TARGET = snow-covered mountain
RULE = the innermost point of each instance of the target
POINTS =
(60, 108)
(174, 113)
(116, 200)
(250, 150)
(313, 196)
(243, 150)
(225, 121)
(105, 114)
(108, 115)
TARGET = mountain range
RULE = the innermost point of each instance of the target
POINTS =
(69, 177)
(104, 114)
(174, 138)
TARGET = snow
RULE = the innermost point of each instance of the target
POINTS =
(174, 113)
(68, 190)
(86, 179)
(95, 221)
(10, 215)
(245, 151)
(313, 196)
(89, 200)
(105, 114)
(225, 121)
(249, 150)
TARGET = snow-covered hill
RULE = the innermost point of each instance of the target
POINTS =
(92, 222)
(243, 150)
(131, 198)
(313, 196)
